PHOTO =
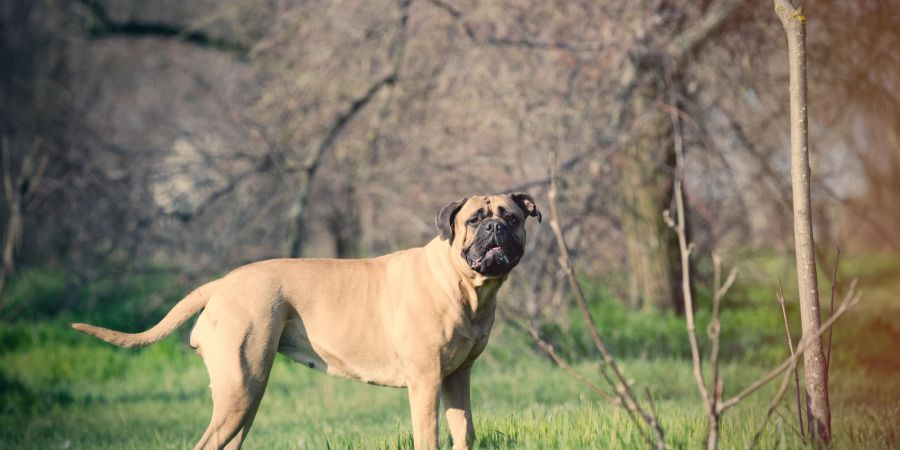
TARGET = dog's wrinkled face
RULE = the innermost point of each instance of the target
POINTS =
(488, 231)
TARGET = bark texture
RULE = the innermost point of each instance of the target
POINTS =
(648, 165)
(645, 186)
(814, 364)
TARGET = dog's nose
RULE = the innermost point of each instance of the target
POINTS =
(494, 226)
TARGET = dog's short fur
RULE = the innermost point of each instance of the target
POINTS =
(416, 318)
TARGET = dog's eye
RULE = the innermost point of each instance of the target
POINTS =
(511, 219)
(474, 220)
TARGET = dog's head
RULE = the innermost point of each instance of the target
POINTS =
(488, 231)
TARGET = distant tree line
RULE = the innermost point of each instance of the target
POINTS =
(208, 134)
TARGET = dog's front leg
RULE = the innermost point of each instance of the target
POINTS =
(424, 390)
(458, 408)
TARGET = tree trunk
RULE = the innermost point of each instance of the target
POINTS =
(344, 222)
(814, 364)
(297, 214)
(311, 163)
(648, 168)
(645, 185)
(298, 206)
(18, 190)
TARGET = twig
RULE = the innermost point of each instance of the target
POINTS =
(851, 299)
(690, 39)
(618, 382)
(650, 402)
(785, 381)
(863, 214)
(715, 326)
(524, 42)
(793, 428)
(837, 261)
(787, 329)
(678, 224)
(786, 378)
(685, 250)
(550, 351)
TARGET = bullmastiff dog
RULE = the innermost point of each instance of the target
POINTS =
(417, 318)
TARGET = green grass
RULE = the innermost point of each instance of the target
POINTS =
(59, 389)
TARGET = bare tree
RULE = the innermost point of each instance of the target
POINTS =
(646, 176)
(313, 159)
(18, 188)
(346, 226)
(623, 393)
(814, 364)
(712, 399)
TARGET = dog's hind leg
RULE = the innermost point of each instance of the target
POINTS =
(238, 359)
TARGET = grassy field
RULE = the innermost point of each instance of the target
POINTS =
(59, 389)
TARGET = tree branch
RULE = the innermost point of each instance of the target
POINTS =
(837, 262)
(100, 25)
(787, 330)
(550, 351)
(786, 379)
(622, 388)
(502, 41)
(678, 224)
(785, 382)
(715, 326)
(311, 163)
(851, 299)
(689, 40)
(396, 53)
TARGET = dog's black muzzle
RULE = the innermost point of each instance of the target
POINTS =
(495, 251)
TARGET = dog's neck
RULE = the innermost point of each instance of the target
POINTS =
(475, 292)
(482, 299)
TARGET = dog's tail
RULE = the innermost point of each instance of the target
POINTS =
(181, 312)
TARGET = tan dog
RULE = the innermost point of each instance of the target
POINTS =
(416, 318)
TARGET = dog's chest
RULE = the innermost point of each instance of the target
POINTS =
(466, 342)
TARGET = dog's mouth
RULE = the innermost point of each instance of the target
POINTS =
(496, 259)
(494, 253)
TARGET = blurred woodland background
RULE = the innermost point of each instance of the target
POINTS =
(148, 146)
(198, 136)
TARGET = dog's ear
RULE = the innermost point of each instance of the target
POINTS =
(526, 204)
(444, 219)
